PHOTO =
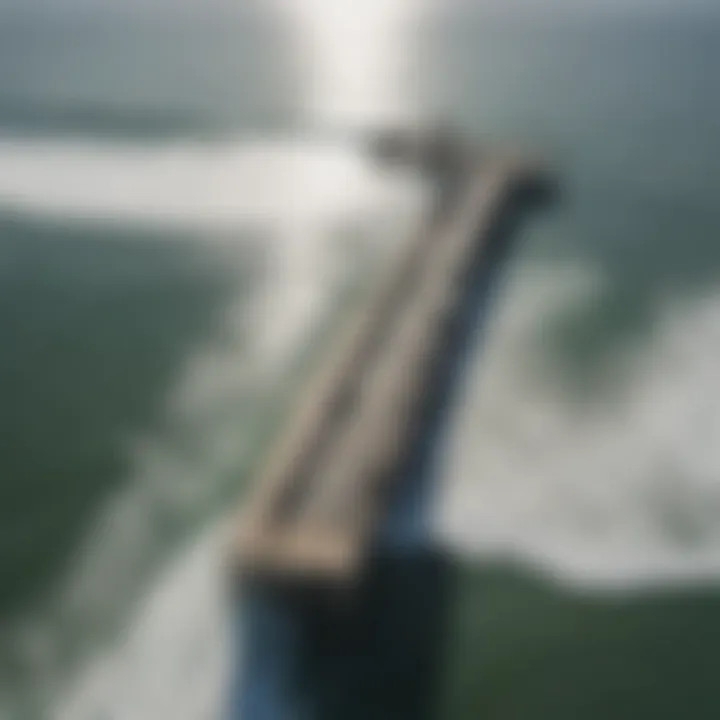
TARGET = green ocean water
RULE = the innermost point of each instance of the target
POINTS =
(102, 315)
(521, 647)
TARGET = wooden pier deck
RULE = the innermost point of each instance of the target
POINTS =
(316, 505)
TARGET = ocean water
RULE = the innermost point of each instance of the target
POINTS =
(184, 205)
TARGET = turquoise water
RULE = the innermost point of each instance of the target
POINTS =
(142, 171)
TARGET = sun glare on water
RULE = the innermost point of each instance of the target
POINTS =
(354, 59)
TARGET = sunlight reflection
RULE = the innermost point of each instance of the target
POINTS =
(354, 59)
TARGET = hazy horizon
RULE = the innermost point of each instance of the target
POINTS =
(491, 6)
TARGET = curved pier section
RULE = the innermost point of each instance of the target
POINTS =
(345, 602)
(319, 505)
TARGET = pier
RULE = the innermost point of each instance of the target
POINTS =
(343, 593)
(318, 503)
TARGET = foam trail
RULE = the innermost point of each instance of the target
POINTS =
(617, 495)
(175, 661)
(186, 184)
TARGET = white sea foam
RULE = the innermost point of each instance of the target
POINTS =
(616, 492)
(176, 659)
(187, 183)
